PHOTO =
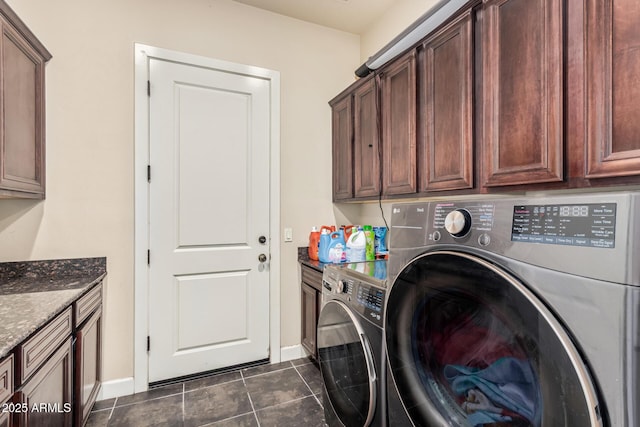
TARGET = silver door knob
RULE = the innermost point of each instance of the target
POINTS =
(262, 258)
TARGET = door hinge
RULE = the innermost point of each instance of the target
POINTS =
(148, 256)
(148, 173)
(148, 88)
(148, 343)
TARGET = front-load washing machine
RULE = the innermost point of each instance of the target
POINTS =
(350, 344)
(515, 312)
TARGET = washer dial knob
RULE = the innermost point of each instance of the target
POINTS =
(458, 222)
(340, 288)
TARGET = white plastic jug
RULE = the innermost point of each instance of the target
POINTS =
(356, 246)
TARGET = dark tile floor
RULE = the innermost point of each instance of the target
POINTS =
(282, 394)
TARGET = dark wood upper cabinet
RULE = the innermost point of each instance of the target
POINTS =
(22, 111)
(522, 42)
(447, 77)
(398, 109)
(366, 138)
(342, 144)
(612, 88)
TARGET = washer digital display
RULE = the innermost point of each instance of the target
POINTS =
(592, 225)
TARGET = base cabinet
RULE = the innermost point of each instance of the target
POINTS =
(87, 367)
(45, 399)
(57, 371)
(311, 293)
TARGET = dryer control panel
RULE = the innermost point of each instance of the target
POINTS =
(592, 224)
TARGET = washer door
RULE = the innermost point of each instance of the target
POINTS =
(346, 364)
(469, 345)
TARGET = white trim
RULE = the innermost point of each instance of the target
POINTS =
(292, 353)
(141, 203)
(116, 388)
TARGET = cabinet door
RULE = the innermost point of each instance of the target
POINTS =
(366, 140)
(613, 89)
(22, 115)
(398, 106)
(342, 141)
(522, 91)
(309, 318)
(446, 162)
(49, 389)
(87, 366)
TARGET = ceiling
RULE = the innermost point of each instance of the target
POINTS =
(353, 16)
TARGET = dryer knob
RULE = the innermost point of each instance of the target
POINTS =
(458, 222)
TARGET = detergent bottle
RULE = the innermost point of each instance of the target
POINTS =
(370, 254)
(337, 247)
(356, 246)
(380, 244)
(314, 242)
(323, 245)
(332, 246)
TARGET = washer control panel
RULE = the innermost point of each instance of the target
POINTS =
(371, 302)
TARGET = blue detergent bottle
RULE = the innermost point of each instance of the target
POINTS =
(332, 247)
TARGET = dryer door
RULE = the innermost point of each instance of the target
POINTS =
(469, 345)
(347, 365)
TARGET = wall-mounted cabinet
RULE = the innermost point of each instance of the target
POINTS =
(612, 107)
(22, 109)
(446, 100)
(366, 139)
(511, 95)
(398, 110)
(342, 147)
(522, 43)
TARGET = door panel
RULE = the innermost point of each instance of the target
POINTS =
(366, 140)
(522, 92)
(612, 48)
(342, 148)
(209, 204)
(399, 126)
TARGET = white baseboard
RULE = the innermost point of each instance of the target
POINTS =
(291, 353)
(116, 388)
(126, 386)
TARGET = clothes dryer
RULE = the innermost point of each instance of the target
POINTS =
(350, 344)
(515, 312)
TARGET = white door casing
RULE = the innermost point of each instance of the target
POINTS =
(212, 145)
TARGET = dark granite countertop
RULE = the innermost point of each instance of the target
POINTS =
(33, 292)
(303, 258)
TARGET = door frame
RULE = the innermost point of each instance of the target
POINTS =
(143, 53)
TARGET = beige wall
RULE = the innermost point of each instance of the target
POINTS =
(402, 14)
(90, 124)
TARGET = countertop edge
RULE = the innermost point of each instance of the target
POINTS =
(26, 332)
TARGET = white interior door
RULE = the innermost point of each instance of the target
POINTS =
(208, 207)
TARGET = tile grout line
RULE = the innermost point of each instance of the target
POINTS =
(112, 409)
(304, 381)
(308, 386)
(148, 400)
(226, 419)
(211, 385)
(267, 373)
(253, 408)
(184, 410)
